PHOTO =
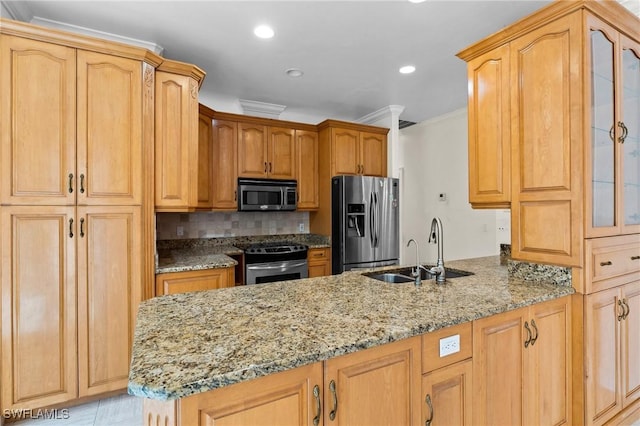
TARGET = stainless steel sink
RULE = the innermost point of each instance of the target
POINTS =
(390, 278)
(403, 275)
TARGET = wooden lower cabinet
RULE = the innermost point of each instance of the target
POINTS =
(206, 279)
(377, 386)
(612, 351)
(447, 394)
(71, 285)
(319, 260)
(522, 366)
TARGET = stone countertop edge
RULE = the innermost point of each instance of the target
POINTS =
(190, 343)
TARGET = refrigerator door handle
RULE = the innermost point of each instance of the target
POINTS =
(376, 224)
(372, 220)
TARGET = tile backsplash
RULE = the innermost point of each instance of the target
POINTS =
(229, 224)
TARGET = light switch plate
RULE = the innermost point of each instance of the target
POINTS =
(449, 345)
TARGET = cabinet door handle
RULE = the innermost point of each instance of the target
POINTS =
(635, 257)
(82, 228)
(70, 228)
(334, 396)
(270, 168)
(607, 263)
(526, 327)
(625, 132)
(621, 316)
(316, 395)
(70, 183)
(612, 134)
(362, 168)
(265, 167)
(625, 306)
(534, 338)
(82, 183)
(235, 195)
(430, 405)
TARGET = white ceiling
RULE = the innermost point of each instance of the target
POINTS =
(350, 51)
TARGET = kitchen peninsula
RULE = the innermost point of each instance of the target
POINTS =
(189, 345)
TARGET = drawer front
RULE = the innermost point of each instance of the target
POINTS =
(318, 254)
(611, 261)
(456, 339)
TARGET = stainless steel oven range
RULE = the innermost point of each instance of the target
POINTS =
(275, 261)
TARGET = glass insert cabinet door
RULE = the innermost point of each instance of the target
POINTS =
(615, 133)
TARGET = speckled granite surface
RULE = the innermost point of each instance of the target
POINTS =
(194, 342)
(209, 253)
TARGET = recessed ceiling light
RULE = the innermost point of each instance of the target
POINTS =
(263, 31)
(294, 72)
(407, 69)
(417, 1)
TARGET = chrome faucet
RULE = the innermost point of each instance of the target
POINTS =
(415, 272)
(436, 236)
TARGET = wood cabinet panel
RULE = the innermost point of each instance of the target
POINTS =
(176, 153)
(546, 136)
(37, 141)
(252, 150)
(284, 398)
(109, 138)
(373, 154)
(319, 260)
(208, 279)
(447, 394)
(431, 359)
(109, 291)
(489, 130)
(345, 158)
(225, 165)
(630, 343)
(38, 321)
(205, 162)
(375, 386)
(281, 153)
(307, 153)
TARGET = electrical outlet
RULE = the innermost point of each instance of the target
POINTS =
(301, 227)
(180, 231)
(449, 345)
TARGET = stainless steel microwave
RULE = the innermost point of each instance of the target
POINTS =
(258, 195)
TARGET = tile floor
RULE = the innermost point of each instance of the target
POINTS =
(122, 410)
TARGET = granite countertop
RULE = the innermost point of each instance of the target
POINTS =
(211, 253)
(195, 342)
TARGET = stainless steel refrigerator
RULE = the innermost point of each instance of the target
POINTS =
(364, 222)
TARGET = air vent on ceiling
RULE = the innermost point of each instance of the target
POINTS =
(404, 123)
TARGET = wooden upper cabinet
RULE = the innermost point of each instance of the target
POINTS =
(109, 139)
(252, 150)
(225, 165)
(373, 154)
(266, 152)
(37, 277)
(355, 152)
(346, 152)
(307, 157)
(546, 144)
(176, 129)
(37, 122)
(489, 130)
(612, 175)
(205, 162)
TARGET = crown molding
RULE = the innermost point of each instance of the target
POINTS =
(388, 111)
(49, 23)
(261, 109)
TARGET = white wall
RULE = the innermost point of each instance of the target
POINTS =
(434, 160)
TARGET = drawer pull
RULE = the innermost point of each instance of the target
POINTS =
(318, 254)
(607, 263)
(430, 405)
(635, 257)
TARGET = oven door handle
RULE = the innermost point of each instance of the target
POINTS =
(283, 265)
